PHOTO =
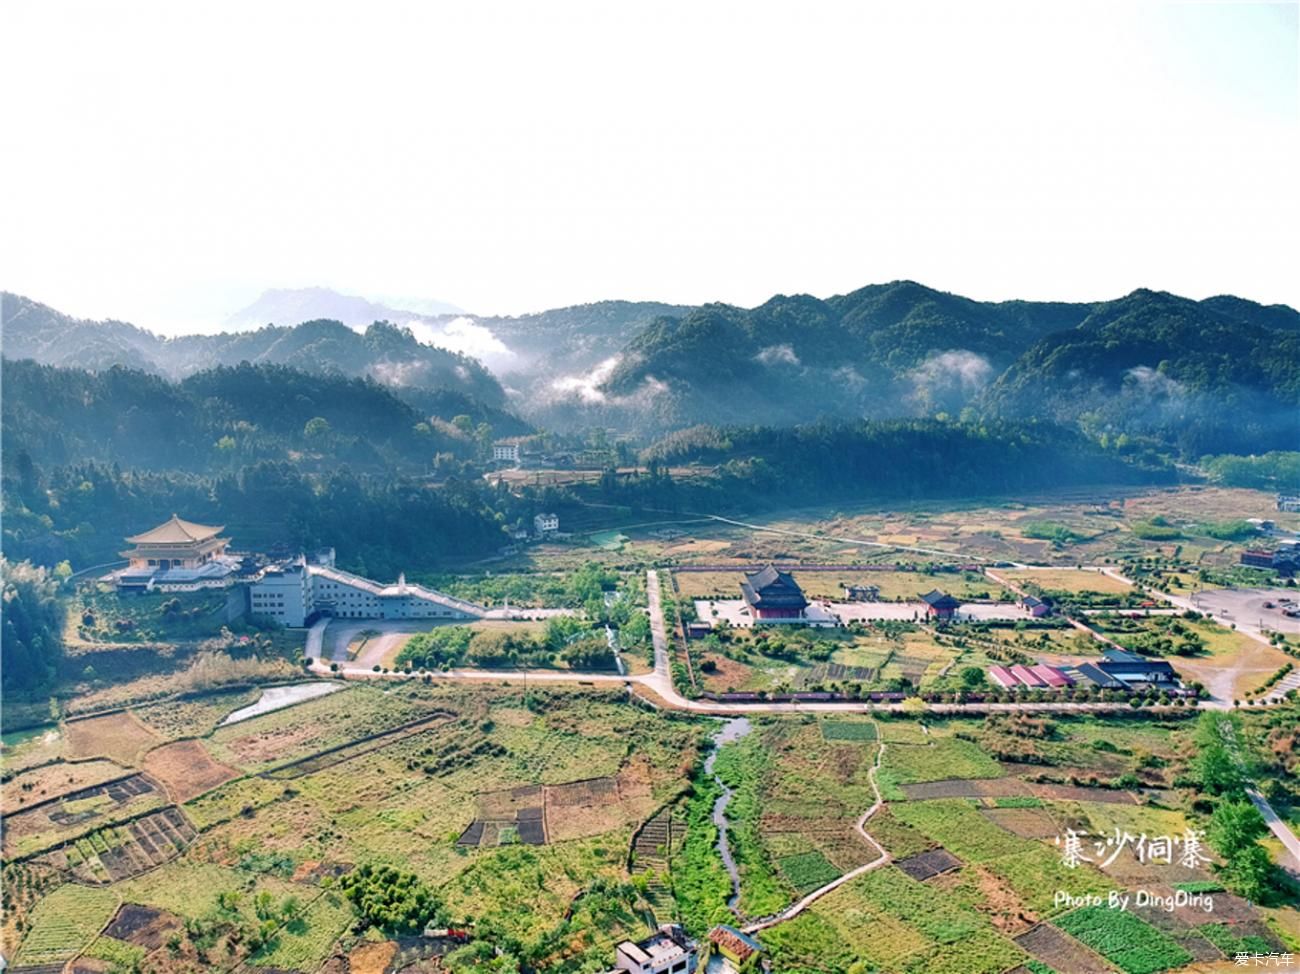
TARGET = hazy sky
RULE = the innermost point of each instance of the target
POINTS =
(164, 162)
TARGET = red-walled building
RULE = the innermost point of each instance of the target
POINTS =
(940, 605)
(772, 594)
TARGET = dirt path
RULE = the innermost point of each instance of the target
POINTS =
(792, 911)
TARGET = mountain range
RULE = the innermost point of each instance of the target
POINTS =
(1218, 375)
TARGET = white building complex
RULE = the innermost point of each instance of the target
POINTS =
(291, 594)
(184, 556)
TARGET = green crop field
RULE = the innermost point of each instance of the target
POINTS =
(305, 941)
(1133, 945)
(850, 731)
(64, 922)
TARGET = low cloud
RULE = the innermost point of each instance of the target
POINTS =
(947, 381)
(778, 355)
(399, 373)
(466, 336)
(586, 387)
(1153, 383)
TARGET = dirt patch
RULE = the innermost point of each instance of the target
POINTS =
(1075, 793)
(536, 815)
(187, 769)
(371, 958)
(268, 745)
(312, 872)
(143, 926)
(52, 781)
(121, 737)
(1028, 823)
(77, 811)
(997, 901)
(923, 865)
(1060, 951)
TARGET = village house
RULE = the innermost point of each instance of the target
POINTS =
(738, 952)
(1288, 503)
(940, 605)
(1035, 606)
(544, 524)
(667, 951)
(773, 596)
(506, 451)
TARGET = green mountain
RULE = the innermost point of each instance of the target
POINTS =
(1221, 375)
(383, 351)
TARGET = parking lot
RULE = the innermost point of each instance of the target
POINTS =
(1251, 606)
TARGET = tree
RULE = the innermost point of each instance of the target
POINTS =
(1235, 828)
(31, 641)
(1235, 825)
(1217, 771)
(395, 901)
(317, 428)
(972, 677)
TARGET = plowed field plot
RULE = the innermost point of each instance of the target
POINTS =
(1074, 793)
(926, 864)
(589, 792)
(1061, 952)
(967, 788)
(75, 813)
(126, 850)
(536, 814)
(1028, 823)
(354, 749)
(121, 737)
(143, 926)
(187, 769)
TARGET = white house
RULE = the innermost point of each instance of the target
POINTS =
(544, 524)
(667, 951)
(505, 450)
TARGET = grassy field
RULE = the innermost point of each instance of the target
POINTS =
(1067, 580)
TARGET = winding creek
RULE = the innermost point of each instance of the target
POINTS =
(732, 730)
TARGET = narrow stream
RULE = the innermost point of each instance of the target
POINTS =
(732, 730)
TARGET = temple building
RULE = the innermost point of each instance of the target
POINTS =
(177, 554)
(773, 595)
(940, 605)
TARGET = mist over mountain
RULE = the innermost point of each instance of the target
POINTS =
(1215, 376)
(389, 353)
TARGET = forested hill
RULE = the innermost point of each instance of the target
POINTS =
(222, 418)
(1145, 365)
(384, 351)
(1214, 376)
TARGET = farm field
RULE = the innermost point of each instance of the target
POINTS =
(246, 841)
(554, 822)
(1067, 580)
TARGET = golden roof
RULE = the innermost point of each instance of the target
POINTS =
(176, 531)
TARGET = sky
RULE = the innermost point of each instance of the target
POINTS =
(164, 162)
